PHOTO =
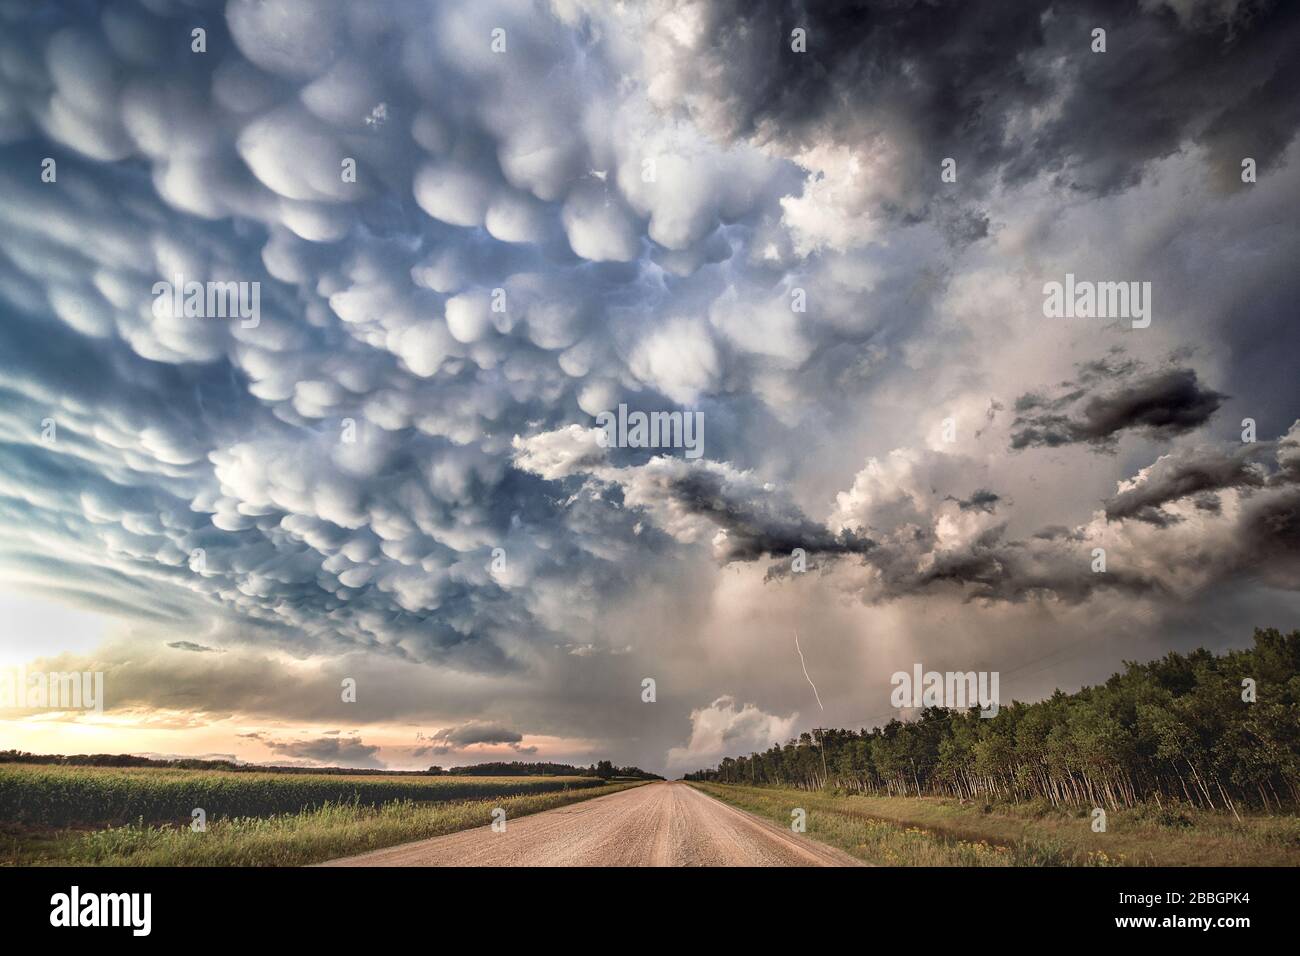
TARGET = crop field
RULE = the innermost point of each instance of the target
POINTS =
(48, 796)
(286, 839)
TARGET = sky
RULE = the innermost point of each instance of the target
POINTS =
(827, 232)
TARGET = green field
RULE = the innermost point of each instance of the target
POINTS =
(141, 816)
(936, 831)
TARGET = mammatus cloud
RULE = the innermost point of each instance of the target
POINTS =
(339, 467)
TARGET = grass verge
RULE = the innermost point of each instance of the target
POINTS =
(931, 831)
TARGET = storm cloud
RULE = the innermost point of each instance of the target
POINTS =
(475, 733)
(1009, 90)
(392, 476)
(330, 751)
(1166, 402)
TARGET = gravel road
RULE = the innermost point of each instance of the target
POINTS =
(660, 824)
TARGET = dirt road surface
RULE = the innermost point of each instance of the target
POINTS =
(660, 824)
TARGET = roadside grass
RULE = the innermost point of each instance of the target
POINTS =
(287, 839)
(933, 831)
(51, 796)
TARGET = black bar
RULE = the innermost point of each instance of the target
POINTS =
(960, 905)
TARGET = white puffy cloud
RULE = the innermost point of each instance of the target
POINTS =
(678, 358)
(599, 227)
(725, 729)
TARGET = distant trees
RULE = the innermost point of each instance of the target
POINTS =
(635, 773)
(515, 768)
(1177, 728)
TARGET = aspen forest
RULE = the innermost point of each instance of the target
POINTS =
(1181, 729)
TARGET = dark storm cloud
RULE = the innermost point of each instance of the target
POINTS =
(1264, 483)
(756, 527)
(918, 555)
(1055, 531)
(751, 518)
(980, 500)
(329, 750)
(1190, 472)
(1163, 403)
(1258, 541)
(754, 522)
(1016, 571)
(192, 646)
(1271, 534)
(472, 734)
(478, 733)
(962, 79)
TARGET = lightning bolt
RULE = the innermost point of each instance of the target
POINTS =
(805, 670)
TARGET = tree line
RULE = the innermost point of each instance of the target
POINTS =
(604, 769)
(1219, 732)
